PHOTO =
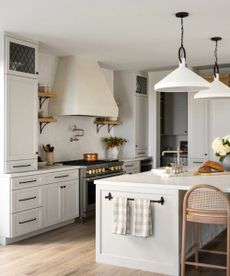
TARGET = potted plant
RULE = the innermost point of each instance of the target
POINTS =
(113, 145)
(221, 148)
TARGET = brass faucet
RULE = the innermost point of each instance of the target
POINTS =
(178, 152)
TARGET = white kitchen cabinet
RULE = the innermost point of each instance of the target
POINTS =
(70, 202)
(18, 123)
(21, 57)
(175, 113)
(141, 124)
(206, 121)
(26, 222)
(21, 142)
(133, 113)
(219, 116)
(198, 121)
(53, 203)
(34, 201)
(132, 166)
(61, 202)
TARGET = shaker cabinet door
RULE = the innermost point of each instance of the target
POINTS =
(70, 200)
(141, 122)
(21, 127)
(53, 204)
(197, 128)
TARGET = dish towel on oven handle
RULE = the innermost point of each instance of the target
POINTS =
(142, 218)
(121, 217)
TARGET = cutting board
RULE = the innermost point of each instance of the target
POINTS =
(211, 174)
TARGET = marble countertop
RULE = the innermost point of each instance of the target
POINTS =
(181, 182)
(45, 169)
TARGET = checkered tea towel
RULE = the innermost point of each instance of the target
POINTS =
(142, 218)
(120, 216)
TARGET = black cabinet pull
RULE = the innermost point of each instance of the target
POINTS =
(61, 176)
(197, 162)
(29, 181)
(22, 166)
(29, 198)
(26, 221)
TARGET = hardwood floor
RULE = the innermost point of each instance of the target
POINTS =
(67, 251)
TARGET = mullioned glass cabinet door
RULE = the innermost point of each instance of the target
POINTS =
(21, 58)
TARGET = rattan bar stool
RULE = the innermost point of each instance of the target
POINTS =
(204, 204)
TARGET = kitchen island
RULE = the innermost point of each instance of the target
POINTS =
(160, 252)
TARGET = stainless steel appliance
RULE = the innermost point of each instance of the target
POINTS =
(90, 171)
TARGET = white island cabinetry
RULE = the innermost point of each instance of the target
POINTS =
(160, 252)
(155, 253)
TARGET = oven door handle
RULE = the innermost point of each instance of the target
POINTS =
(102, 176)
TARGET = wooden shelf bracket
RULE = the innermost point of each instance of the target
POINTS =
(110, 124)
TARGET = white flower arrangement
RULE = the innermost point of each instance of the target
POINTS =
(221, 146)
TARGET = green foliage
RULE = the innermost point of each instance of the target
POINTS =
(112, 142)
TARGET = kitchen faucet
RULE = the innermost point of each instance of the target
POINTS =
(178, 151)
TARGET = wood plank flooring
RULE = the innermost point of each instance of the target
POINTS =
(68, 251)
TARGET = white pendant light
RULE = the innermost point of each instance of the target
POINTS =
(182, 79)
(218, 89)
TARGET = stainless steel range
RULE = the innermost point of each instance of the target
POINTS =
(91, 171)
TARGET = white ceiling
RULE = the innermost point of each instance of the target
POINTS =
(123, 34)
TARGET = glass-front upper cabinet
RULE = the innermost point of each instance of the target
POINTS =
(21, 57)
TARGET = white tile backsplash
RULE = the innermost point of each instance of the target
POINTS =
(59, 134)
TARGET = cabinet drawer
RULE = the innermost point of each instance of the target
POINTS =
(61, 176)
(21, 166)
(26, 199)
(132, 166)
(141, 152)
(27, 222)
(26, 182)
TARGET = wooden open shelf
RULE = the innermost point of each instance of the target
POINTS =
(47, 120)
(44, 121)
(46, 94)
(110, 124)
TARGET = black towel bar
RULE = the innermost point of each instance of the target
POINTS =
(161, 201)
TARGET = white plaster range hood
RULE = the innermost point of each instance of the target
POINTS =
(81, 89)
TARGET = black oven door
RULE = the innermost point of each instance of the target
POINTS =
(88, 194)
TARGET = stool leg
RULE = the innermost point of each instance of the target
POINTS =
(197, 242)
(228, 247)
(183, 247)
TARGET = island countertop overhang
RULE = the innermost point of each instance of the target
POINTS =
(181, 182)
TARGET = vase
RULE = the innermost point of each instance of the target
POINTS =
(113, 153)
(226, 163)
(49, 158)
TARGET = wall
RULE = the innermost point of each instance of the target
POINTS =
(58, 134)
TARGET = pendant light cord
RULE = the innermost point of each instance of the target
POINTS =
(181, 51)
(216, 67)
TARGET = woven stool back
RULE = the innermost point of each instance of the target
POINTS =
(206, 198)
